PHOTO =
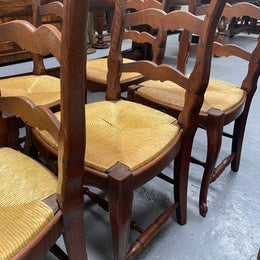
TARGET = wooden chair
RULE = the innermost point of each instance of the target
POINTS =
(40, 88)
(36, 207)
(97, 69)
(223, 102)
(128, 144)
(41, 9)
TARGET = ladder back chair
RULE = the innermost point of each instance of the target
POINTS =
(223, 102)
(36, 207)
(128, 144)
(97, 69)
(40, 88)
(39, 10)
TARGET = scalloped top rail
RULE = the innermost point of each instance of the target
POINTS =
(236, 10)
(139, 37)
(241, 9)
(156, 72)
(230, 50)
(160, 20)
(28, 37)
(35, 116)
(142, 4)
(52, 8)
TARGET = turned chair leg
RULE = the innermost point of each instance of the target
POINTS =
(214, 137)
(120, 197)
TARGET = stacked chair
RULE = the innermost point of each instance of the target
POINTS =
(223, 102)
(128, 144)
(36, 207)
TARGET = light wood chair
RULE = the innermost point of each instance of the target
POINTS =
(223, 102)
(36, 207)
(41, 9)
(128, 144)
(40, 88)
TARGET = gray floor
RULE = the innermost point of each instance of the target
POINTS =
(231, 229)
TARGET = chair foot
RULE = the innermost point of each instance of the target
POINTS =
(203, 209)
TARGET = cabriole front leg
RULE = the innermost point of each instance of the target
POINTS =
(214, 131)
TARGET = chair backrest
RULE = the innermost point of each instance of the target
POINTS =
(158, 41)
(55, 8)
(40, 9)
(149, 49)
(23, 33)
(237, 10)
(196, 84)
(44, 40)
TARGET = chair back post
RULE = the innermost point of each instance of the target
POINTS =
(55, 8)
(72, 134)
(194, 94)
(36, 17)
(38, 65)
(249, 83)
(184, 43)
(192, 6)
(115, 58)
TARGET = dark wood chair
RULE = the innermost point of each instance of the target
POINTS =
(97, 69)
(128, 144)
(36, 207)
(223, 102)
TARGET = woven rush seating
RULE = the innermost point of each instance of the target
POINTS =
(115, 131)
(42, 90)
(97, 70)
(23, 212)
(219, 95)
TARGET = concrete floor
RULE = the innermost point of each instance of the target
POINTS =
(231, 229)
